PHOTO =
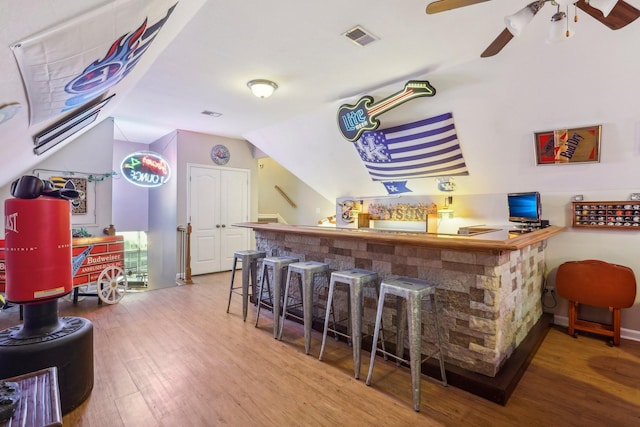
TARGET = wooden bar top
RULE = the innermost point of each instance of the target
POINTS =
(500, 239)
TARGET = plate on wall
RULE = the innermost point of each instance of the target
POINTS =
(220, 155)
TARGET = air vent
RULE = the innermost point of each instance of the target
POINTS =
(360, 36)
(211, 113)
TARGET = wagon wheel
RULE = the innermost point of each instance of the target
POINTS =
(112, 285)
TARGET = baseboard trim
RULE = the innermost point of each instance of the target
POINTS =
(628, 334)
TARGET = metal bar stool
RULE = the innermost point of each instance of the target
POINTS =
(277, 264)
(307, 271)
(356, 279)
(412, 291)
(249, 261)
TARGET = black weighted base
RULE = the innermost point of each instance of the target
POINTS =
(44, 340)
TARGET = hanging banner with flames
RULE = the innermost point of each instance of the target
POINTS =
(77, 62)
(146, 169)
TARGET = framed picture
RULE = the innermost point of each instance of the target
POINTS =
(83, 209)
(563, 146)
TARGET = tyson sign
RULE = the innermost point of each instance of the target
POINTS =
(145, 169)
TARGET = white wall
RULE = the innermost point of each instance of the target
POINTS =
(498, 104)
(90, 153)
(130, 209)
(195, 148)
(310, 206)
(163, 237)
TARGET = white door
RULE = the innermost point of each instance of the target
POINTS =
(217, 198)
(234, 204)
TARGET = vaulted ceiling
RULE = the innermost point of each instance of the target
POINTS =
(208, 50)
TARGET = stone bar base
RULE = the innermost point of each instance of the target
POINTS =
(489, 299)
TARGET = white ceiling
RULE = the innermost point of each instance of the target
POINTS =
(299, 45)
(209, 49)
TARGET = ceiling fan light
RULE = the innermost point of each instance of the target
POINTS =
(515, 23)
(604, 6)
(559, 29)
(564, 3)
(262, 88)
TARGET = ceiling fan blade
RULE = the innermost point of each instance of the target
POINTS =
(498, 44)
(621, 15)
(444, 5)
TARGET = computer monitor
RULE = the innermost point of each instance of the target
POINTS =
(524, 207)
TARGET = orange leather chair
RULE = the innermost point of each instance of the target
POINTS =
(600, 284)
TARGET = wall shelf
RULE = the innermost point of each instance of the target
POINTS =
(621, 215)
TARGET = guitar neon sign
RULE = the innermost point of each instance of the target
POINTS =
(146, 169)
(353, 120)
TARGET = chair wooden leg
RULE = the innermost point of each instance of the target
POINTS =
(573, 316)
(616, 325)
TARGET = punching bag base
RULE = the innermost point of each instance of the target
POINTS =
(69, 348)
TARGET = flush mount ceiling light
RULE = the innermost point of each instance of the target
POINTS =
(262, 88)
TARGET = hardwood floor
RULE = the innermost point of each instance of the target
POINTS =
(174, 357)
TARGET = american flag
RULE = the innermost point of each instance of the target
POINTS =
(426, 148)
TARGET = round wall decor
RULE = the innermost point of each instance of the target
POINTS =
(220, 155)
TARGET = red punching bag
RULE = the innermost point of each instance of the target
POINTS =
(38, 249)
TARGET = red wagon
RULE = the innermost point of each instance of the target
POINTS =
(98, 269)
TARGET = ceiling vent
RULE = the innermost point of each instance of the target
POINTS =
(211, 113)
(360, 36)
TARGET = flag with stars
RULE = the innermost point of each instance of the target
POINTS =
(422, 149)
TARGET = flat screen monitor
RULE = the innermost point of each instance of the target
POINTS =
(524, 207)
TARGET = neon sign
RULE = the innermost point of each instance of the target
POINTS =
(146, 169)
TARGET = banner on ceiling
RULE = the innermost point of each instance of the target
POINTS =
(422, 149)
(71, 64)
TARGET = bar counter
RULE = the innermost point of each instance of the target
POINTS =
(489, 283)
(503, 239)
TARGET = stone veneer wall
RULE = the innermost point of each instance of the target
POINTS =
(488, 302)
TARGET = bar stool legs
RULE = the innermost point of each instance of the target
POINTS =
(249, 260)
(278, 266)
(356, 279)
(307, 271)
(413, 291)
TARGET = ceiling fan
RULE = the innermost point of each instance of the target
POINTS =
(615, 14)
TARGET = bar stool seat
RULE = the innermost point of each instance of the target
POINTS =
(307, 272)
(356, 279)
(277, 264)
(249, 260)
(412, 292)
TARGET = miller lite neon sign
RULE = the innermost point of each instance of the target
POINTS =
(146, 169)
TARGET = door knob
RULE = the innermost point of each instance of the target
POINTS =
(217, 225)
(223, 226)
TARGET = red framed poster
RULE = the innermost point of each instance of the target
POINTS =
(562, 146)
